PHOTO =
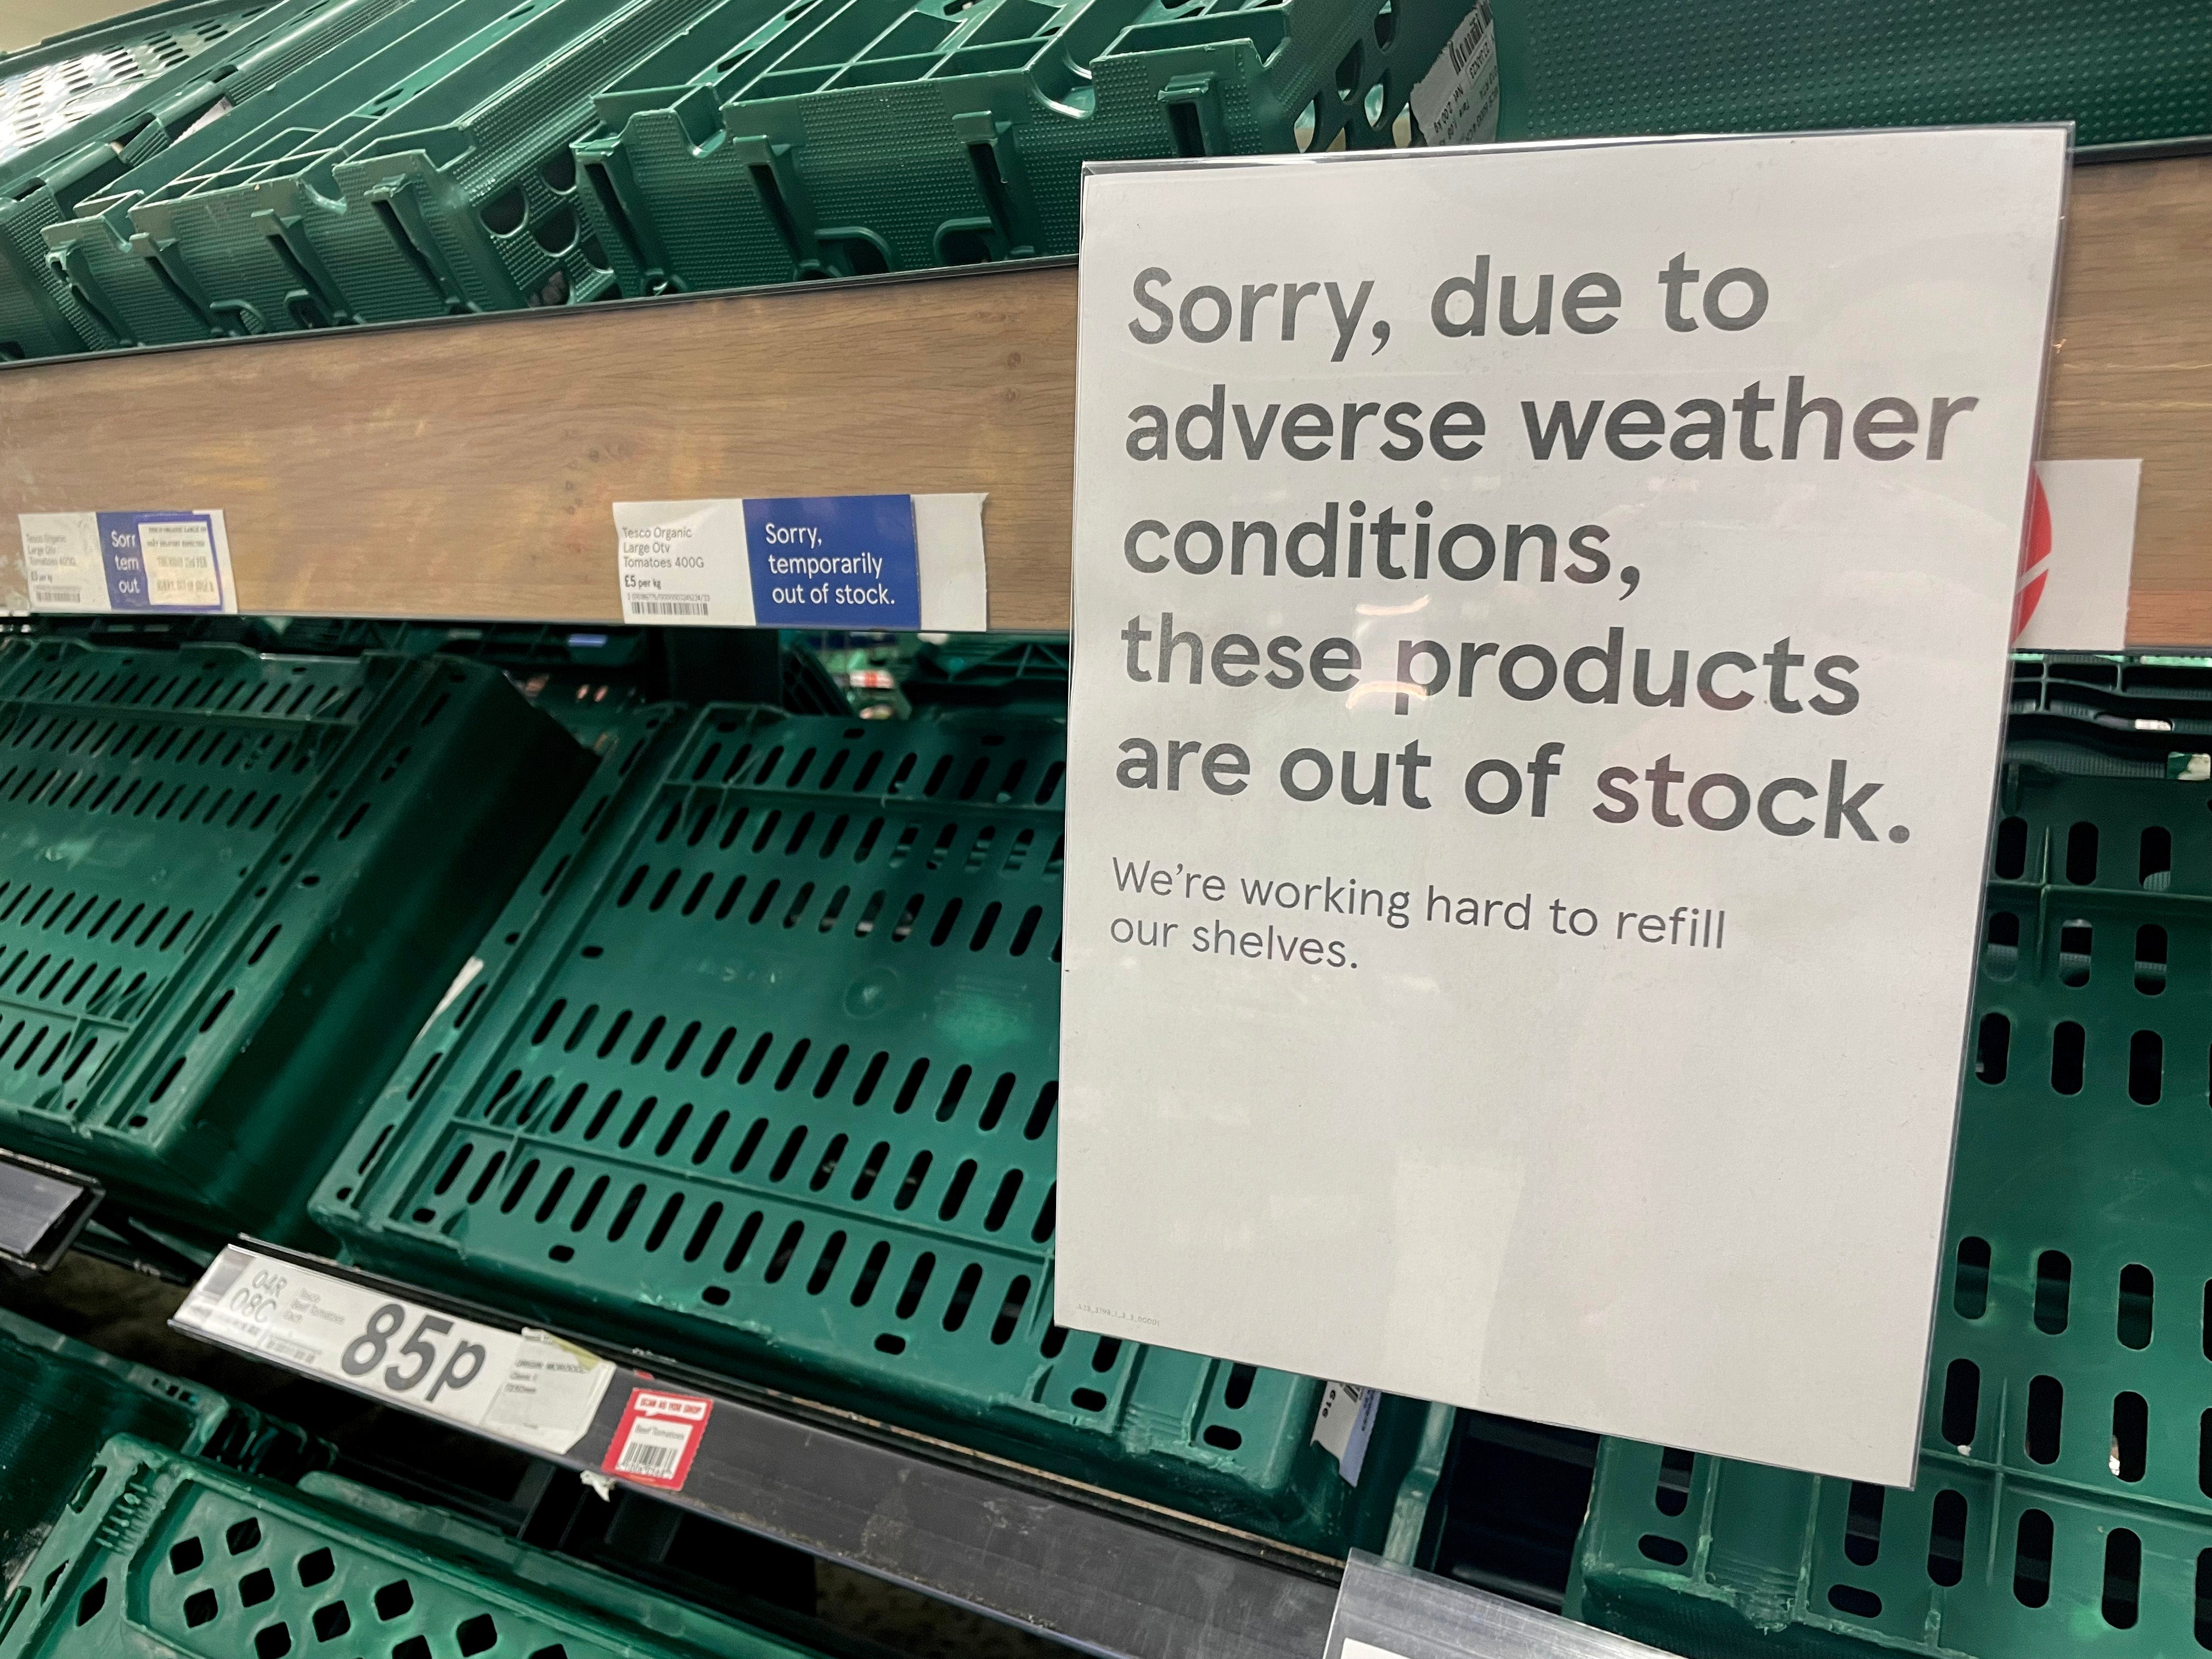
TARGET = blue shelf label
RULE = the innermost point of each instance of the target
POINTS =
(160, 562)
(833, 561)
(860, 562)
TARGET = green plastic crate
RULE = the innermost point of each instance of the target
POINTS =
(245, 207)
(2126, 71)
(48, 88)
(60, 1401)
(440, 180)
(161, 1556)
(990, 671)
(139, 284)
(2067, 1448)
(239, 53)
(231, 888)
(839, 136)
(760, 1073)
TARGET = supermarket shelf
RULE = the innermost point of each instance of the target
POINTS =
(466, 468)
(2134, 373)
(1110, 1576)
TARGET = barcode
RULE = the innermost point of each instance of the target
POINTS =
(669, 607)
(653, 1451)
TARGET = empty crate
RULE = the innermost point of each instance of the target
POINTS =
(169, 1557)
(61, 1401)
(231, 887)
(759, 1072)
(841, 136)
(2062, 1497)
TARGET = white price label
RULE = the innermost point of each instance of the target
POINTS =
(1456, 101)
(1344, 1424)
(134, 561)
(520, 1386)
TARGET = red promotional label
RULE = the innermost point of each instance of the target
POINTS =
(658, 1437)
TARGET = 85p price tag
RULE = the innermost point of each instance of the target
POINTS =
(522, 1386)
(435, 1353)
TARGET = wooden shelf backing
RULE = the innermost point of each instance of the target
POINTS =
(466, 468)
(2133, 373)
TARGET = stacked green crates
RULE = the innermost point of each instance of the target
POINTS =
(777, 140)
(168, 1557)
(2064, 1497)
(2132, 73)
(759, 1073)
(231, 887)
(59, 1403)
(432, 176)
(195, 65)
(139, 287)
(48, 88)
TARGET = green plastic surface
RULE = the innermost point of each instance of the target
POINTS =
(48, 88)
(2062, 1502)
(60, 1400)
(142, 287)
(760, 1072)
(840, 137)
(231, 887)
(426, 172)
(160, 1556)
(2126, 71)
(990, 671)
(242, 53)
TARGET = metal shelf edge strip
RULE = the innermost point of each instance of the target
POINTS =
(1098, 1580)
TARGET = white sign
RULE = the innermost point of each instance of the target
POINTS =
(1542, 616)
(2077, 557)
(522, 1386)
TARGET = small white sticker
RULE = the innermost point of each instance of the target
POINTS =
(181, 573)
(1456, 101)
(552, 1391)
(1343, 1424)
(523, 1387)
(654, 1449)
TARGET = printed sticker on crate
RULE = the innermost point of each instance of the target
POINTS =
(1345, 1424)
(658, 1437)
(1456, 101)
(144, 561)
(844, 561)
